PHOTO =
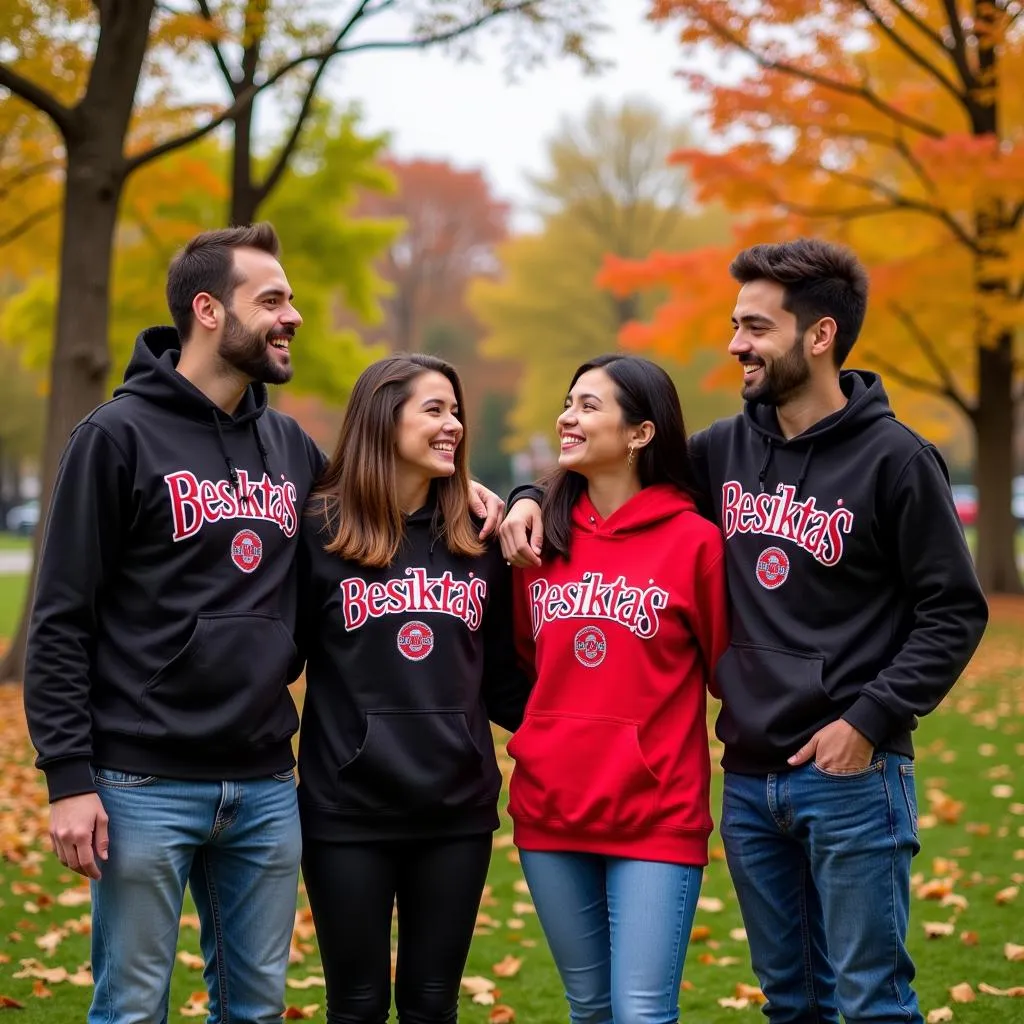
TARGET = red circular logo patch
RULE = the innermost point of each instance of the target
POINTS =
(415, 640)
(246, 550)
(772, 568)
(590, 646)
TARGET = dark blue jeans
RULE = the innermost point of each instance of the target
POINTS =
(821, 865)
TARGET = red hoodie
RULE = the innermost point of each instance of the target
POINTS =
(612, 757)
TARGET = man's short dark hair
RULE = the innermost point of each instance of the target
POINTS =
(820, 279)
(207, 264)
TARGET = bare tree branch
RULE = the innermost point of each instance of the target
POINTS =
(959, 50)
(861, 91)
(896, 143)
(281, 162)
(919, 384)
(247, 96)
(926, 345)
(29, 222)
(61, 116)
(914, 54)
(27, 173)
(921, 25)
(902, 202)
(204, 10)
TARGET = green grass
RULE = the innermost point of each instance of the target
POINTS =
(14, 542)
(12, 599)
(969, 747)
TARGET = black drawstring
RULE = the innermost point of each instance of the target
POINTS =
(263, 451)
(804, 469)
(236, 485)
(762, 473)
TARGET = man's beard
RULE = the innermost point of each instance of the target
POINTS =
(782, 378)
(249, 352)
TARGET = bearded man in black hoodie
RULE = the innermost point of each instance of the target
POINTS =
(855, 610)
(161, 648)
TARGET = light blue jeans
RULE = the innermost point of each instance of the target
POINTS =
(238, 846)
(618, 931)
(821, 865)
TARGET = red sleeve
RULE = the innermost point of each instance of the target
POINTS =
(711, 608)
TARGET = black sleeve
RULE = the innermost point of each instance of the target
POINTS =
(309, 585)
(532, 491)
(697, 446)
(507, 680)
(90, 512)
(947, 611)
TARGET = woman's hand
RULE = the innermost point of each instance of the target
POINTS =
(522, 534)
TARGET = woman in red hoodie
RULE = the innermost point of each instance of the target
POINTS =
(624, 621)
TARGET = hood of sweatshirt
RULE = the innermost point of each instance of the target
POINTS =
(645, 509)
(152, 374)
(866, 403)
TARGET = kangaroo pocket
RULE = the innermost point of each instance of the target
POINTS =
(769, 697)
(227, 686)
(415, 762)
(581, 772)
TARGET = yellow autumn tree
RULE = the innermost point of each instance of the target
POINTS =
(608, 189)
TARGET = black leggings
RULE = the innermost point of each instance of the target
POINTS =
(352, 888)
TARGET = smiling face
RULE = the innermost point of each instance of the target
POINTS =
(260, 320)
(429, 429)
(593, 436)
(769, 345)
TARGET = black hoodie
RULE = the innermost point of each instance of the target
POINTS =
(405, 666)
(161, 634)
(853, 592)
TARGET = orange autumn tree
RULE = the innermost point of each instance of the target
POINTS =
(897, 127)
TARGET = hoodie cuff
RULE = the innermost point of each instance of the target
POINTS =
(531, 491)
(69, 777)
(870, 719)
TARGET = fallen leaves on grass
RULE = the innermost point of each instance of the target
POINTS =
(742, 997)
(508, 967)
(962, 993)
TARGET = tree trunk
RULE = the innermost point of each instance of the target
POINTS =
(245, 197)
(81, 355)
(95, 177)
(996, 555)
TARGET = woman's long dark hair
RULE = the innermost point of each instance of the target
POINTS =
(644, 391)
(357, 491)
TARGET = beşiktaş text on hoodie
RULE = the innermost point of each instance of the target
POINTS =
(853, 591)
(405, 665)
(612, 757)
(161, 634)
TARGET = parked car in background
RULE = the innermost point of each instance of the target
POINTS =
(24, 518)
(965, 498)
(1017, 499)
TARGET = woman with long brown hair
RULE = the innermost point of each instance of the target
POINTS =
(407, 633)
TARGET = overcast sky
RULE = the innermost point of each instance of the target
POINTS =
(469, 113)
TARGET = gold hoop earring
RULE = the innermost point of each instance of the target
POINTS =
(630, 457)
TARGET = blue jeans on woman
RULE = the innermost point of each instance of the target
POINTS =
(618, 931)
(821, 866)
(237, 845)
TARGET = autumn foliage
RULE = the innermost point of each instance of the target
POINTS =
(894, 126)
